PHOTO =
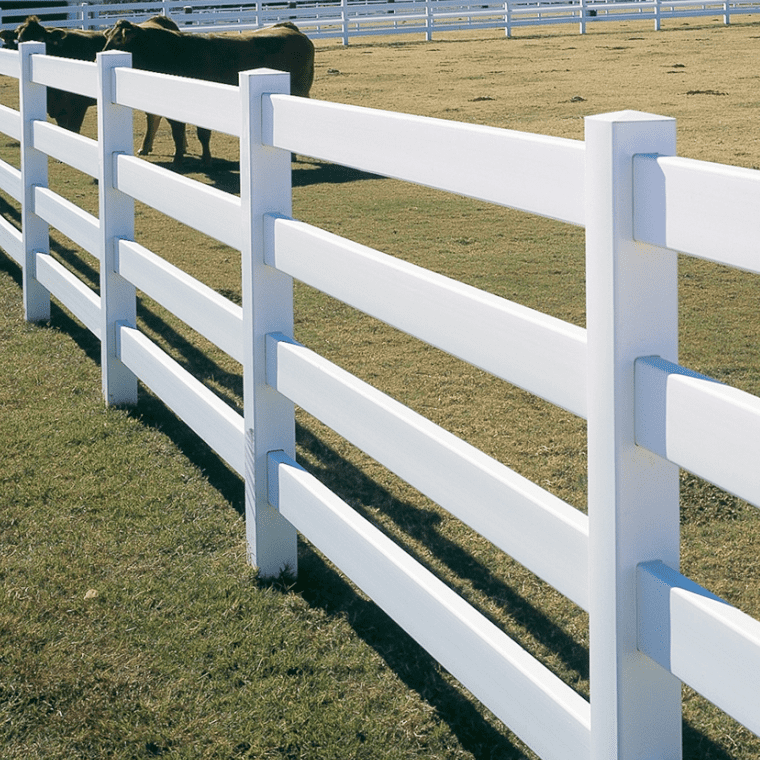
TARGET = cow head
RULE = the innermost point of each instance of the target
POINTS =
(32, 31)
(122, 35)
(8, 38)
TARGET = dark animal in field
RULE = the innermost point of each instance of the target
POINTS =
(8, 38)
(218, 57)
(69, 109)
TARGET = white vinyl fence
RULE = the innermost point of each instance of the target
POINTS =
(651, 627)
(346, 19)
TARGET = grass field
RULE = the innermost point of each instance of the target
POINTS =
(130, 624)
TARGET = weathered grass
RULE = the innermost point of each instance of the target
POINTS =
(177, 649)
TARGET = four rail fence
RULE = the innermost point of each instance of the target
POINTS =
(346, 19)
(651, 628)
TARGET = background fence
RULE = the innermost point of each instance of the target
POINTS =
(651, 627)
(344, 19)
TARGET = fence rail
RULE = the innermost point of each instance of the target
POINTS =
(645, 413)
(346, 19)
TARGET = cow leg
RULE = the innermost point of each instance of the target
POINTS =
(76, 117)
(68, 109)
(151, 127)
(178, 133)
(204, 138)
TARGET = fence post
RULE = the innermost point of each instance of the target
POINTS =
(265, 188)
(34, 173)
(633, 500)
(344, 20)
(117, 220)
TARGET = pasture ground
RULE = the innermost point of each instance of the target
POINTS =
(130, 624)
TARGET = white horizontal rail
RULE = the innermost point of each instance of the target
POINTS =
(539, 530)
(542, 354)
(543, 175)
(76, 223)
(710, 429)
(710, 210)
(66, 146)
(202, 308)
(206, 104)
(66, 74)
(540, 708)
(10, 122)
(204, 208)
(10, 181)
(10, 65)
(700, 638)
(220, 426)
(70, 291)
(11, 241)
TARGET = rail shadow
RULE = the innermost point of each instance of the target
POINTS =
(421, 525)
(225, 175)
(322, 173)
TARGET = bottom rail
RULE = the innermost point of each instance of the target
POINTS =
(701, 639)
(539, 707)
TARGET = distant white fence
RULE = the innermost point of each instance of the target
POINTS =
(651, 627)
(346, 19)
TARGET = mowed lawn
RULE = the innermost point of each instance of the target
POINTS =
(131, 625)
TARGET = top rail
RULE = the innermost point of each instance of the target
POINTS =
(206, 104)
(66, 74)
(543, 175)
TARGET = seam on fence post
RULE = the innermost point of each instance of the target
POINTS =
(115, 173)
(274, 459)
(34, 173)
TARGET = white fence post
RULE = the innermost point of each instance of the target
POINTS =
(633, 497)
(34, 173)
(118, 299)
(344, 20)
(265, 188)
